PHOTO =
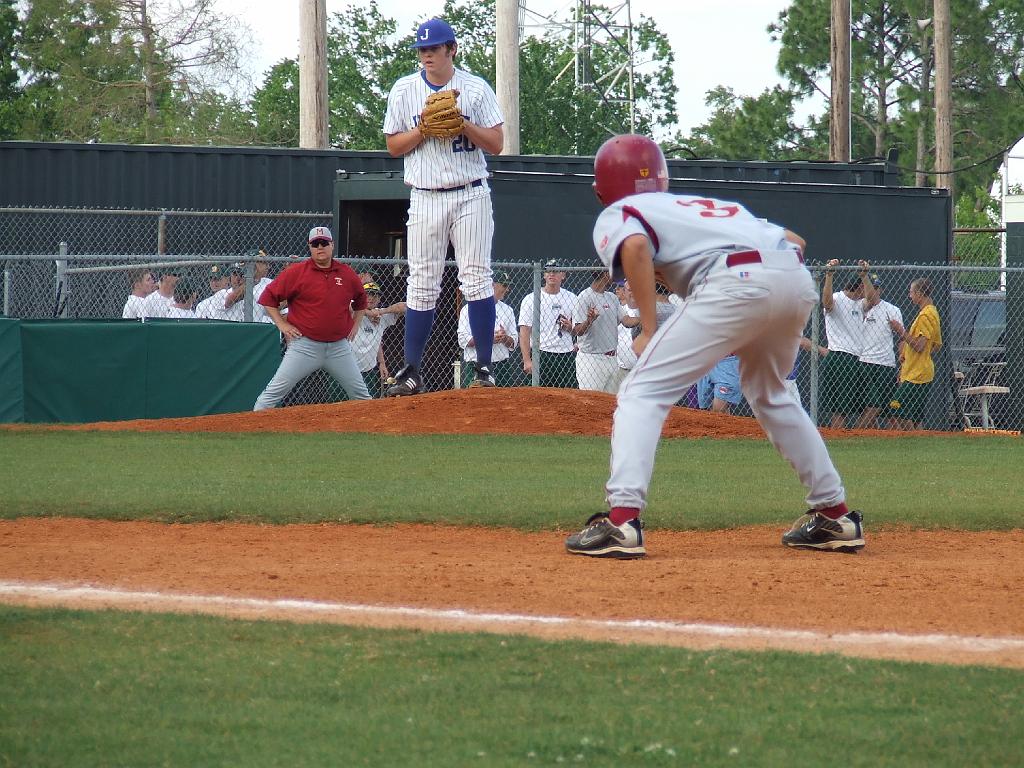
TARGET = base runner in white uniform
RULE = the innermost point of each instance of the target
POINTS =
(450, 200)
(746, 290)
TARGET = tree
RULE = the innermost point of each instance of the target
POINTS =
(361, 66)
(10, 92)
(753, 128)
(555, 117)
(893, 73)
(126, 70)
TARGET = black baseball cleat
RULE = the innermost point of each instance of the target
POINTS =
(602, 538)
(484, 377)
(407, 382)
(815, 531)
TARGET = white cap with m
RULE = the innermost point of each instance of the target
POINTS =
(320, 233)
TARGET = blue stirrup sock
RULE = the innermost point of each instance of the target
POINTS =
(417, 331)
(482, 313)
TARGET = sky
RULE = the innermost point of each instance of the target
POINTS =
(699, 31)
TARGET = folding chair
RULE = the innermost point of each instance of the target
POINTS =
(975, 398)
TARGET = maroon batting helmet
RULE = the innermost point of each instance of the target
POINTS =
(627, 165)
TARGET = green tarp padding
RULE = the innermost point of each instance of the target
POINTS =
(231, 362)
(83, 371)
(12, 403)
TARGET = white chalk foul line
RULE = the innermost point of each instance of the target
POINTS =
(954, 643)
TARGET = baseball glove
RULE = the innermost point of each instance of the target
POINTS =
(441, 118)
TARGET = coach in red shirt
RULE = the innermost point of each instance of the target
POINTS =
(321, 294)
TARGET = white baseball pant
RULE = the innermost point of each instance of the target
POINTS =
(598, 373)
(757, 310)
(466, 219)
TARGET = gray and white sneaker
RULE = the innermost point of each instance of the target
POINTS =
(815, 531)
(602, 538)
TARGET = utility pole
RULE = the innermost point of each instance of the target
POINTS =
(313, 74)
(943, 96)
(507, 70)
(839, 122)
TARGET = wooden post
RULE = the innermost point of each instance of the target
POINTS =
(507, 70)
(943, 95)
(839, 124)
(313, 74)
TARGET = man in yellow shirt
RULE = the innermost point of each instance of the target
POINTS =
(917, 370)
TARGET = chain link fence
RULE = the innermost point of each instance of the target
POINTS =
(81, 264)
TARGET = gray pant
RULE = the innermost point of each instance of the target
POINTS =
(303, 357)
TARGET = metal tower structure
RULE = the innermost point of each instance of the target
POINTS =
(591, 27)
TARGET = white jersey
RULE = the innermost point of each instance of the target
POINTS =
(218, 311)
(878, 339)
(552, 337)
(688, 234)
(603, 334)
(368, 338)
(844, 325)
(259, 313)
(204, 309)
(624, 354)
(442, 163)
(504, 319)
(181, 314)
(133, 308)
(157, 305)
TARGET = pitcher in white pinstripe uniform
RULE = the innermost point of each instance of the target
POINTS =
(450, 200)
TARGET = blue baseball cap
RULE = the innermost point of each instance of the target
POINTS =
(433, 32)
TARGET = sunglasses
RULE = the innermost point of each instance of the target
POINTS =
(319, 243)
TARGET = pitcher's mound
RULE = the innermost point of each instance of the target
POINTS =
(524, 411)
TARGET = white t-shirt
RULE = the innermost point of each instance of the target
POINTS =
(624, 354)
(218, 311)
(442, 163)
(603, 334)
(688, 234)
(204, 309)
(505, 319)
(844, 325)
(368, 338)
(552, 337)
(133, 308)
(259, 312)
(157, 305)
(179, 313)
(879, 347)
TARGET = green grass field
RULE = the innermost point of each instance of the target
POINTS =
(522, 482)
(110, 688)
(99, 689)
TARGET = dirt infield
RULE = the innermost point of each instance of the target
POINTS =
(952, 595)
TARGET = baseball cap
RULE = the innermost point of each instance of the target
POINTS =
(320, 233)
(551, 265)
(217, 271)
(371, 287)
(433, 32)
(875, 280)
(500, 277)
